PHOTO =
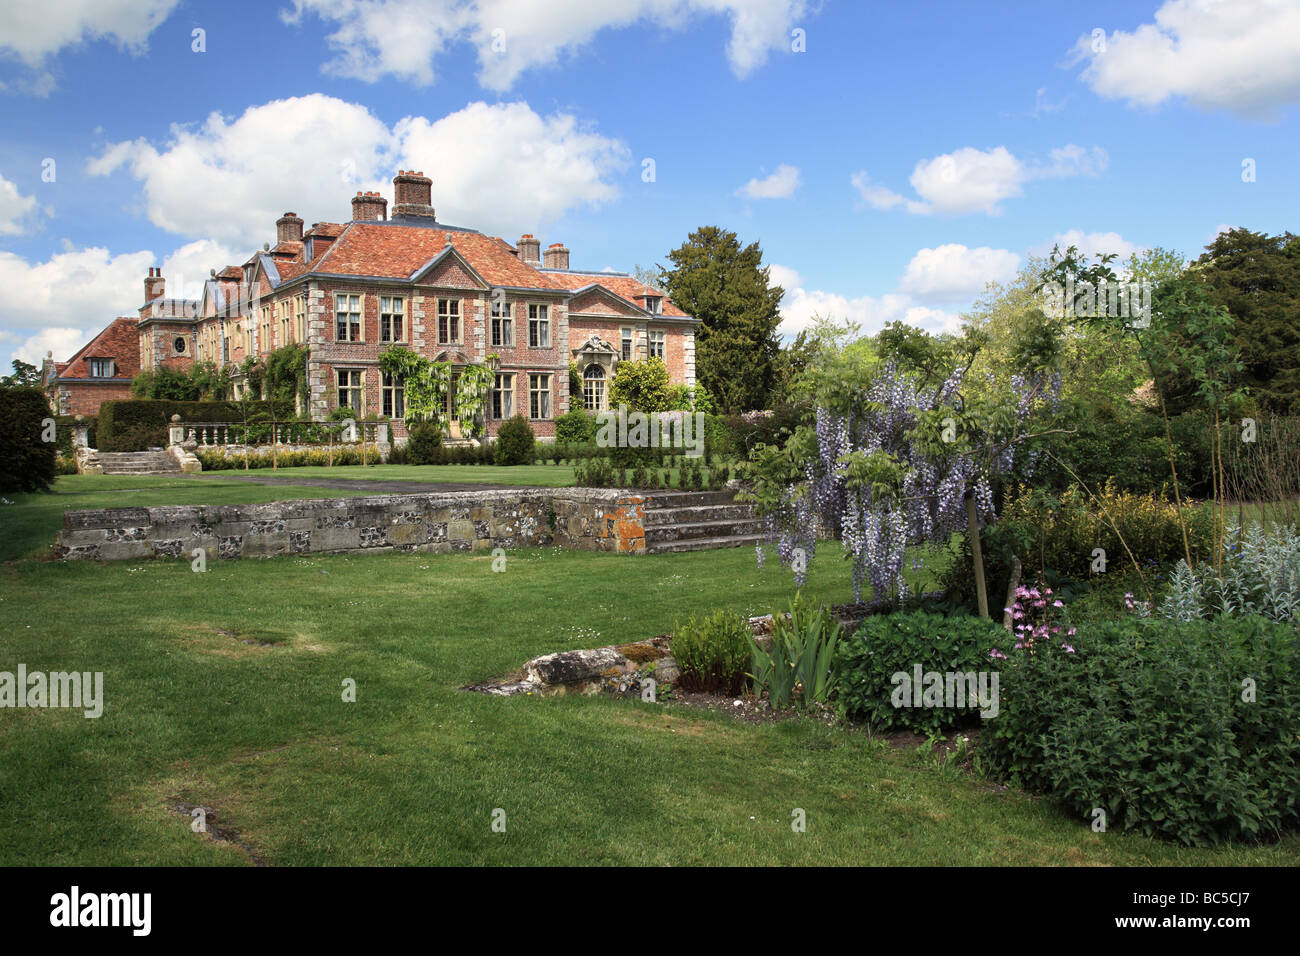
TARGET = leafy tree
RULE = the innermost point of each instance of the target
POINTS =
(642, 386)
(650, 275)
(23, 375)
(726, 286)
(1256, 277)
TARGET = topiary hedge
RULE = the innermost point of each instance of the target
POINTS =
(1185, 731)
(26, 459)
(138, 424)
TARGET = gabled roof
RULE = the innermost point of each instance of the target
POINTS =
(119, 341)
(626, 287)
(396, 251)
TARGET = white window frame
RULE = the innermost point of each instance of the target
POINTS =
(350, 311)
(448, 316)
(503, 396)
(539, 322)
(657, 344)
(539, 394)
(392, 307)
(502, 322)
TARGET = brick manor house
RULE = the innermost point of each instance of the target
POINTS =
(351, 290)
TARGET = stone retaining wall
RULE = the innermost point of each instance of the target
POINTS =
(581, 518)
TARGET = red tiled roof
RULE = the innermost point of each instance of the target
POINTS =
(331, 229)
(290, 247)
(628, 287)
(120, 341)
(398, 252)
(231, 272)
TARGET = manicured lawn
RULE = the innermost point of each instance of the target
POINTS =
(28, 526)
(412, 771)
(539, 476)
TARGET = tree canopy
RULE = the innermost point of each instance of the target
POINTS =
(726, 286)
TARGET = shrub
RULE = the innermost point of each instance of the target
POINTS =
(26, 460)
(515, 442)
(575, 428)
(65, 425)
(137, 424)
(713, 651)
(423, 444)
(1260, 575)
(1147, 721)
(802, 666)
(1056, 536)
(889, 644)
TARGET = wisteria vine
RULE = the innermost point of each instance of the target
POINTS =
(824, 495)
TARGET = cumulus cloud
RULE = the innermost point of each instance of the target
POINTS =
(58, 304)
(780, 185)
(555, 164)
(33, 32)
(800, 306)
(1090, 244)
(76, 288)
(971, 180)
(14, 207)
(1241, 56)
(60, 343)
(404, 38)
(954, 273)
(230, 179)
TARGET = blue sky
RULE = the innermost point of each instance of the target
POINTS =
(908, 154)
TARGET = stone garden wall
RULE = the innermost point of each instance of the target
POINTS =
(581, 518)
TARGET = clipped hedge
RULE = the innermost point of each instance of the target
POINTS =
(887, 644)
(26, 460)
(140, 423)
(515, 442)
(65, 423)
(1188, 732)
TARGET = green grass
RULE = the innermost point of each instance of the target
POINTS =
(412, 771)
(538, 476)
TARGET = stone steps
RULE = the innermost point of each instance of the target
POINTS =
(724, 528)
(698, 521)
(137, 463)
(706, 544)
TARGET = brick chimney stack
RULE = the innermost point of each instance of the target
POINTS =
(530, 249)
(288, 228)
(557, 256)
(154, 284)
(412, 194)
(369, 207)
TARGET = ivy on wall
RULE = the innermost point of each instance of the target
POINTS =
(280, 376)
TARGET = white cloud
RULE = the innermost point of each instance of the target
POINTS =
(971, 180)
(230, 180)
(1090, 244)
(554, 164)
(14, 207)
(1242, 56)
(74, 288)
(783, 276)
(59, 303)
(780, 185)
(62, 343)
(954, 273)
(404, 38)
(800, 306)
(34, 31)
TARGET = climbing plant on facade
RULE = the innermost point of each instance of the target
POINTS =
(426, 384)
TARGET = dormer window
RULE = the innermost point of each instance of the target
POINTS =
(102, 368)
(654, 303)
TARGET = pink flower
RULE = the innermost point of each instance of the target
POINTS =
(1071, 632)
(1067, 648)
(1057, 603)
(997, 654)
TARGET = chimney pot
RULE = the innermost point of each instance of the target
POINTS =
(412, 195)
(369, 207)
(557, 256)
(288, 228)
